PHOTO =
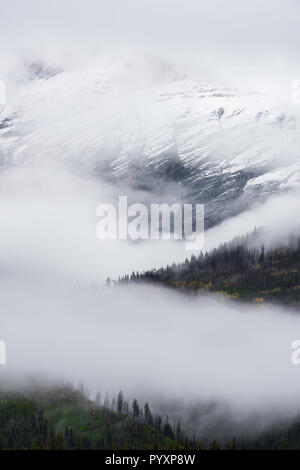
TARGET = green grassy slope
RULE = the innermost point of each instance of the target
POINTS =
(64, 418)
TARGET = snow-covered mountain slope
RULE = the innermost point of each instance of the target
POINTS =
(145, 126)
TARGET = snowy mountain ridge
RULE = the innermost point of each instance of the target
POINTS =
(149, 127)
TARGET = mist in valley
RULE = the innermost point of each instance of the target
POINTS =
(218, 366)
(60, 322)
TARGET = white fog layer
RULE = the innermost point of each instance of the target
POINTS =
(161, 101)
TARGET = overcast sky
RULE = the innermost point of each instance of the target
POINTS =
(239, 32)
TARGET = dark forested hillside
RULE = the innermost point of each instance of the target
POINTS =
(238, 270)
(63, 418)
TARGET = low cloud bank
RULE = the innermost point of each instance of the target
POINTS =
(155, 345)
(60, 323)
